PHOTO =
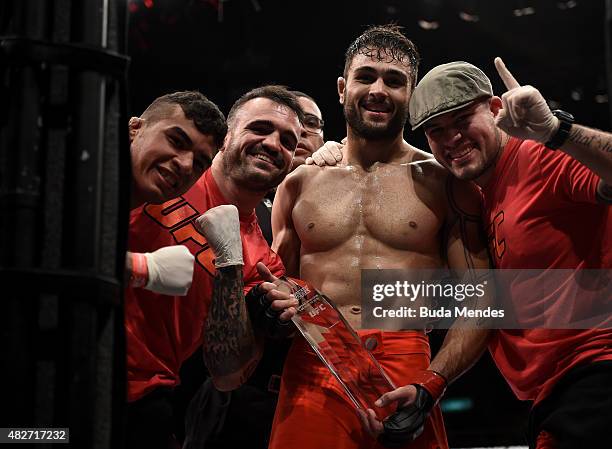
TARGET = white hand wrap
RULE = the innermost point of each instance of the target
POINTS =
(170, 270)
(221, 227)
(526, 115)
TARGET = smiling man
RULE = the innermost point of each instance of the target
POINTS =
(545, 184)
(388, 205)
(171, 144)
(171, 148)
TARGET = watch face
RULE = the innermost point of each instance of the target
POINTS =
(563, 115)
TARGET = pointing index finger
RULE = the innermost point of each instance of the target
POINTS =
(509, 81)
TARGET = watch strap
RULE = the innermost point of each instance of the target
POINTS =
(565, 125)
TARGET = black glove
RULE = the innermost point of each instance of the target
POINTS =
(264, 318)
(407, 423)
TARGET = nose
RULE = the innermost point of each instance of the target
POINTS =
(272, 143)
(377, 88)
(184, 163)
(452, 136)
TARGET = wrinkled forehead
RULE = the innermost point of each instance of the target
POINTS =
(309, 106)
(266, 110)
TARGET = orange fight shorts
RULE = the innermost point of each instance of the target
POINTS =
(314, 412)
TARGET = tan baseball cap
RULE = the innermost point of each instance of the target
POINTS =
(446, 88)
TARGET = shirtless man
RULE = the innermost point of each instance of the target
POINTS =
(386, 206)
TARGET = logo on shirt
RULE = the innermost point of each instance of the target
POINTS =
(177, 217)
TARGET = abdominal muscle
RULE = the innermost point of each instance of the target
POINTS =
(337, 272)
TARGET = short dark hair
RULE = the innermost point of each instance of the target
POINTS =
(384, 42)
(206, 116)
(276, 93)
(300, 94)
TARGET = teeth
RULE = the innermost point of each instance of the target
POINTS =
(460, 155)
(376, 108)
(264, 158)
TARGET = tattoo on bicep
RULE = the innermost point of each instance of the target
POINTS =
(229, 343)
(461, 220)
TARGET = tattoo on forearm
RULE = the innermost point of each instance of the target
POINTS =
(229, 343)
(591, 138)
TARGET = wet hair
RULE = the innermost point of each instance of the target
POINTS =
(384, 43)
(278, 94)
(206, 116)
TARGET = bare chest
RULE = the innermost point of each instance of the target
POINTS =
(389, 206)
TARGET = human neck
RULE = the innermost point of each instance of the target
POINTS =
(366, 152)
(245, 200)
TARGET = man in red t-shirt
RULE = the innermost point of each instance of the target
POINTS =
(545, 209)
(162, 331)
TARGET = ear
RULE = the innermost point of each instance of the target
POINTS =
(226, 140)
(341, 85)
(134, 125)
(495, 104)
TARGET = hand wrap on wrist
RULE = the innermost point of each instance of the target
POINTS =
(407, 422)
(264, 318)
(140, 271)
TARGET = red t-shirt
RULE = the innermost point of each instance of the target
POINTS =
(162, 331)
(541, 212)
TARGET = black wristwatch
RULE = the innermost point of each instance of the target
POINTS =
(565, 124)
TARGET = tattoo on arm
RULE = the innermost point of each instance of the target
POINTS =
(462, 220)
(229, 343)
(591, 138)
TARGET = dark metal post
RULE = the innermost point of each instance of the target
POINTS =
(64, 168)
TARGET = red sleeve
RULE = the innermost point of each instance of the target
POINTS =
(274, 264)
(567, 177)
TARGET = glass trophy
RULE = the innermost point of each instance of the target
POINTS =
(340, 348)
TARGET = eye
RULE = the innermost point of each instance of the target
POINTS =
(395, 82)
(261, 129)
(311, 122)
(364, 78)
(289, 142)
(463, 118)
(176, 141)
(432, 132)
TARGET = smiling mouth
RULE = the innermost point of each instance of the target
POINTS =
(461, 154)
(266, 158)
(379, 108)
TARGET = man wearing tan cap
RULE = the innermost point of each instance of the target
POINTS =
(545, 183)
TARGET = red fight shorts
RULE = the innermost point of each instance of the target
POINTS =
(314, 412)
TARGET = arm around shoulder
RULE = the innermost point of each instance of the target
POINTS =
(467, 255)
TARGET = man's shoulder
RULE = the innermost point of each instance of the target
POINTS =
(425, 162)
(304, 175)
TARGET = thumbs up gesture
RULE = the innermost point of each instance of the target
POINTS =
(524, 112)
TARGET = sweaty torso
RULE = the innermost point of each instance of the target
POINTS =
(387, 217)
